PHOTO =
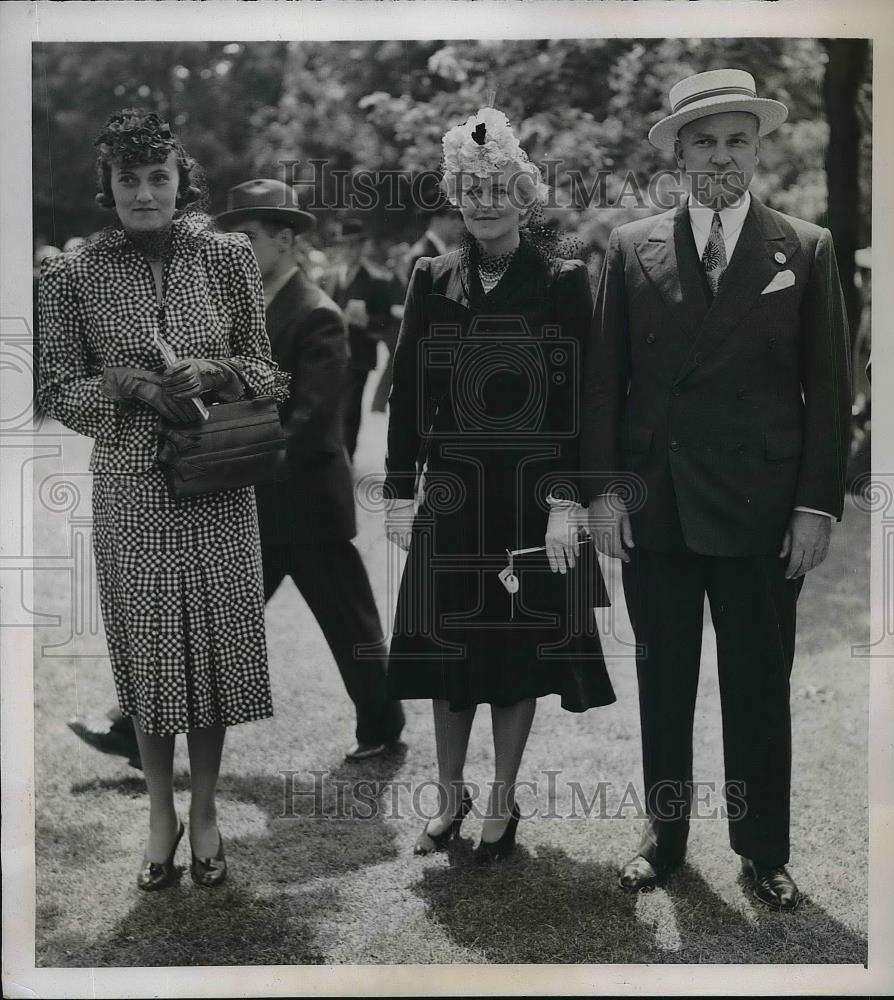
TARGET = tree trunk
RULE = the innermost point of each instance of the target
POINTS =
(844, 74)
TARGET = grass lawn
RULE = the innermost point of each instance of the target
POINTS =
(313, 883)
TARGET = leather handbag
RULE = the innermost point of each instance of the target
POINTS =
(239, 444)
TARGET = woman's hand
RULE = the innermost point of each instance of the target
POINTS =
(561, 537)
(399, 516)
(190, 377)
(138, 383)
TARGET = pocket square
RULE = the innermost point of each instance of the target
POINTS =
(785, 279)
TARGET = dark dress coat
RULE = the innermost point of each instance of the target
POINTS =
(485, 402)
(307, 338)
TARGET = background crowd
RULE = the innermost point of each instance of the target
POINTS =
(357, 125)
(382, 107)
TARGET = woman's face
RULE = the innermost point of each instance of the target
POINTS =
(146, 195)
(490, 206)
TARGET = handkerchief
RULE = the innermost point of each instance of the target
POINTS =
(785, 279)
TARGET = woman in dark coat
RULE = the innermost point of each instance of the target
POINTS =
(179, 579)
(485, 405)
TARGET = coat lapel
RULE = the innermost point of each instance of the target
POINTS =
(668, 260)
(752, 266)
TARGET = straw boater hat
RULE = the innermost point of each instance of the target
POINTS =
(269, 200)
(712, 93)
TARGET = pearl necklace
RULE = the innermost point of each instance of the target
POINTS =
(491, 269)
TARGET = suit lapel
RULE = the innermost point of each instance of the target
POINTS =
(668, 260)
(752, 266)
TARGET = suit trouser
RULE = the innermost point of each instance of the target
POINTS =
(333, 581)
(753, 611)
(352, 405)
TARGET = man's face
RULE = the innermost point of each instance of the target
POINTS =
(267, 242)
(719, 155)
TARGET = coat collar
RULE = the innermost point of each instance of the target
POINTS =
(525, 279)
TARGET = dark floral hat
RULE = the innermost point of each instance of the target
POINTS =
(135, 136)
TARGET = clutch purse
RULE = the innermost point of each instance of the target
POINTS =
(238, 444)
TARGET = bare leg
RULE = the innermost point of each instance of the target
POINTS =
(157, 755)
(452, 730)
(205, 749)
(511, 726)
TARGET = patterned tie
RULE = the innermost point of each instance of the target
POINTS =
(714, 257)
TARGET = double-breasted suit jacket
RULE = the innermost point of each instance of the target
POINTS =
(308, 339)
(731, 412)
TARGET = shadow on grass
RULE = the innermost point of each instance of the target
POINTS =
(264, 914)
(554, 909)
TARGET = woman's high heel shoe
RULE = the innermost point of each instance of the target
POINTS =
(155, 875)
(426, 843)
(489, 852)
(209, 872)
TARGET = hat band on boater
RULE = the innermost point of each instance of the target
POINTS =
(714, 92)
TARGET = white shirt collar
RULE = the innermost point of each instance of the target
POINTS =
(732, 217)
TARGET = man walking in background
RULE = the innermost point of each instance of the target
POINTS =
(366, 293)
(718, 379)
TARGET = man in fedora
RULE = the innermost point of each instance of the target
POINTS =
(366, 293)
(307, 522)
(717, 384)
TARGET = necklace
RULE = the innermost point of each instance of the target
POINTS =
(492, 269)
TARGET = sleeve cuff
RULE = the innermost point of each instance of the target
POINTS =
(812, 510)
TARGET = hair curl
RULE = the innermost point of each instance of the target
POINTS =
(134, 137)
(526, 188)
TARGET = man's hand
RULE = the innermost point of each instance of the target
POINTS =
(399, 516)
(610, 526)
(805, 543)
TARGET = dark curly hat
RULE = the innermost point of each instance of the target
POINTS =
(134, 137)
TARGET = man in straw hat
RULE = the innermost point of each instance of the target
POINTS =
(308, 522)
(718, 385)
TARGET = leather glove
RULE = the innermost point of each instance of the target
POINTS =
(190, 377)
(146, 386)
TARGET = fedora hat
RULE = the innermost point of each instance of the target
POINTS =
(269, 200)
(712, 93)
(349, 231)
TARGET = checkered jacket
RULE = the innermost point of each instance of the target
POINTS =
(98, 308)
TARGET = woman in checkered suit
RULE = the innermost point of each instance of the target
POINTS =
(180, 579)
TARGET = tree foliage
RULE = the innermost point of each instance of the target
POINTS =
(581, 105)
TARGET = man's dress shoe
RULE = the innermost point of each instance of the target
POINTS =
(639, 875)
(363, 751)
(116, 738)
(774, 887)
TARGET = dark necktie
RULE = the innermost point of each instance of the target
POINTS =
(714, 257)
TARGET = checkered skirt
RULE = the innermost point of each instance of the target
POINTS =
(182, 602)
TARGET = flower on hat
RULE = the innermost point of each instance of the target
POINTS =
(135, 136)
(485, 143)
(464, 153)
